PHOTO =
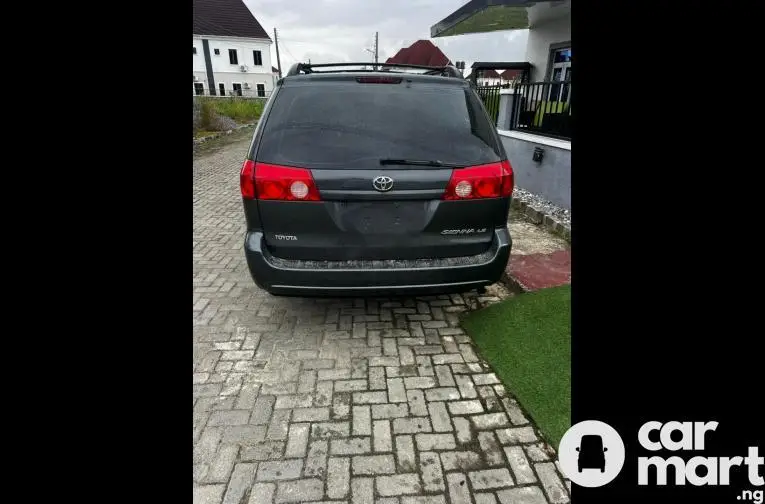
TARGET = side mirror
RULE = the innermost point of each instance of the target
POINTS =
(605, 449)
(577, 448)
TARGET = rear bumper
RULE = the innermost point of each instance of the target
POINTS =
(341, 278)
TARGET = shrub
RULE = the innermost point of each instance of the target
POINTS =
(239, 109)
(206, 115)
(220, 114)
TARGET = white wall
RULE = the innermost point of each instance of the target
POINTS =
(485, 81)
(225, 72)
(538, 46)
(199, 57)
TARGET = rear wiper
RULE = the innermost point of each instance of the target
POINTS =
(419, 162)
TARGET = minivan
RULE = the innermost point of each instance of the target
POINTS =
(389, 179)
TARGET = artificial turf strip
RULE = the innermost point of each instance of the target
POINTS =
(527, 341)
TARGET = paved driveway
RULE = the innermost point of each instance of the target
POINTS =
(354, 400)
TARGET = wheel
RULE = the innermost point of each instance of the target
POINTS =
(580, 467)
(603, 469)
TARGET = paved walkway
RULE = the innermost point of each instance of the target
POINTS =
(354, 401)
(539, 259)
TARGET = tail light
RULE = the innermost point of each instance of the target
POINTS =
(493, 180)
(379, 80)
(247, 179)
(273, 182)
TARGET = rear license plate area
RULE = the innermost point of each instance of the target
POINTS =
(384, 217)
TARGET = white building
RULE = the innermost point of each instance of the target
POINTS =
(232, 51)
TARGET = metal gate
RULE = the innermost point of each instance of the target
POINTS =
(490, 97)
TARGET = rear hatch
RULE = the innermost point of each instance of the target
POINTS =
(372, 158)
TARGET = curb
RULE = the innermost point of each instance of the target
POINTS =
(540, 218)
(201, 140)
(513, 284)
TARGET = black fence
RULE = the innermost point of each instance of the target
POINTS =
(543, 108)
(490, 97)
(202, 90)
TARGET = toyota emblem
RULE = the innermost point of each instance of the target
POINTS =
(382, 183)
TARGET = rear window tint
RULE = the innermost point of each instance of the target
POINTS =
(352, 125)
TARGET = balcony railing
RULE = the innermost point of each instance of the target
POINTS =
(542, 108)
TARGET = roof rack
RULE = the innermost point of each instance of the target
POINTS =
(308, 68)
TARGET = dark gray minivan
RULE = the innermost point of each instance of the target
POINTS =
(386, 181)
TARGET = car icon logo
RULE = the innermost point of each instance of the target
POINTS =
(591, 453)
(382, 183)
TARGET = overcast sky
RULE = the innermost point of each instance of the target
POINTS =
(340, 30)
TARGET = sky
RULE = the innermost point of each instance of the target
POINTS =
(340, 30)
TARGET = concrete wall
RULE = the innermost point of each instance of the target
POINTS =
(550, 179)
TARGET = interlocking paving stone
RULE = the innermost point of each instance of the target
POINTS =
(208, 494)
(382, 436)
(362, 490)
(431, 472)
(338, 477)
(316, 462)
(350, 446)
(240, 482)
(464, 432)
(301, 490)
(520, 465)
(435, 441)
(458, 488)
(411, 425)
(490, 420)
(280, 470)
(399, 484)
(488, 498)
(551, 482)
(297, 440)
(220, 469)
(439, 417)
(461, 460)
(522, 495)
(491, 478)
(465, 407)
(516, 435)
(380, 411)
(405, 453)
(341, 400)
(491, 449)
(262, 493)
(373, 464)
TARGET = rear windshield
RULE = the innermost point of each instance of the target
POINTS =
(353, 125)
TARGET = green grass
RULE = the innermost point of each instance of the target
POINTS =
(527, 340)
(241, 110)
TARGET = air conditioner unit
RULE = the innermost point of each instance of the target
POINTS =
(195, 78)
(243, 68)
(246, 85)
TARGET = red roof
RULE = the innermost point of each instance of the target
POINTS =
(489, 74)
(422, 52)
(510, 74)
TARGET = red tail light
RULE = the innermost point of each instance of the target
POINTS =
(247, 179)
(273, 182)
(379, 80)
(493, 180)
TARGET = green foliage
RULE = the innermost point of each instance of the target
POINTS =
(237, 108)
